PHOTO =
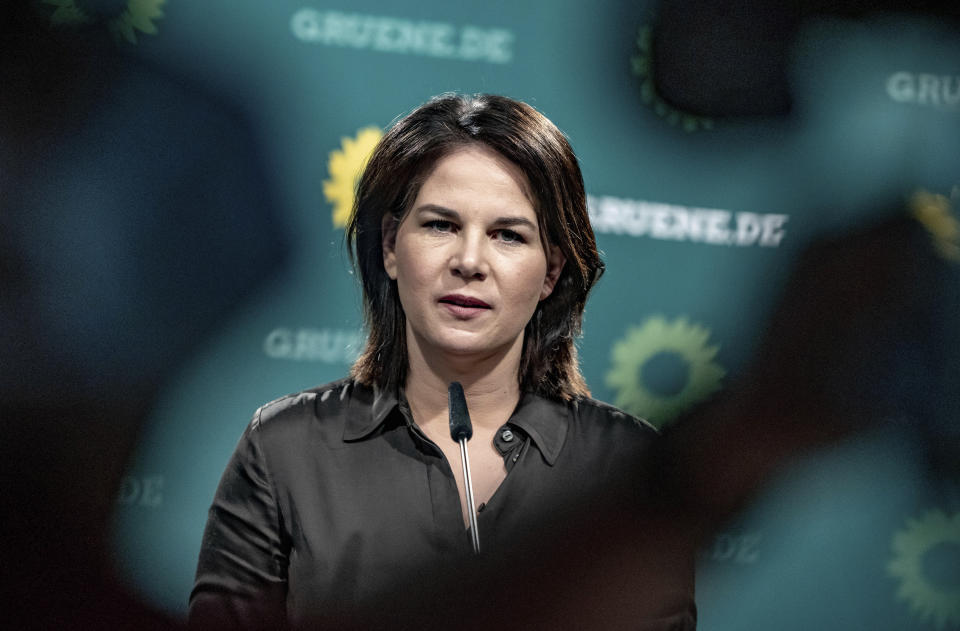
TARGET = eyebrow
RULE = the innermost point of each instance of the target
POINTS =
(449, 213)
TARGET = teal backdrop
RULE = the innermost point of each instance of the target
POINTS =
(699, 221)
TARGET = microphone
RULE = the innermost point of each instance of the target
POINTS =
(460, 425)
(461, 430)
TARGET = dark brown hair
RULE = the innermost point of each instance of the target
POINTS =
(390, 183)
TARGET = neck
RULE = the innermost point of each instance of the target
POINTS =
(490, 383)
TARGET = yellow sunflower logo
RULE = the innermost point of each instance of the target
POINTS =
(345, 166)
(918, 549)
(137, 15)
(935, 213)
(662, 368)
(641, 64)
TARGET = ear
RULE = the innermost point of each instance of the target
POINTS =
(555, 262)
(388, 231)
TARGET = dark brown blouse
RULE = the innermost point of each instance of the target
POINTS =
(334, 496)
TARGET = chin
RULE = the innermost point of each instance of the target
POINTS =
(467, 346)
(464, 350)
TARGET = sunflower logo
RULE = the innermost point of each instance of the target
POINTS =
(136, 15)
(935, 213)
(926, 558)
(641, 64)
(662, 368)
(345, 166)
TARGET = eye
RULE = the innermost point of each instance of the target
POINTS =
(509, 236)
(439, 225)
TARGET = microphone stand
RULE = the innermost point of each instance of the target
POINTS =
(468, 483)
(461, 430)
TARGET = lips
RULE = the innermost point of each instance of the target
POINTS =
(467, 302)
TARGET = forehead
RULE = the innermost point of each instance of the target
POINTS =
(477, 174)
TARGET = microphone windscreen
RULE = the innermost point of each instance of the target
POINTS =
(460, 425)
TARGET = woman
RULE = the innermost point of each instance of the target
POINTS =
(474, 247)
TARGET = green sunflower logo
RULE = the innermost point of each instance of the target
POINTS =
(641, 64)
(926, 558)
(662, 368)
(345, 166)
(136, 15)
(935, 213)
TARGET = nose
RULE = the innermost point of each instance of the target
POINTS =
(469, 258)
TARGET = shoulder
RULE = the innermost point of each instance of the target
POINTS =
(328, 404)
(606, 441)
(597, 413)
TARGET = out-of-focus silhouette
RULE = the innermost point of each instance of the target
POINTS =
(134, 216)
(722, 58)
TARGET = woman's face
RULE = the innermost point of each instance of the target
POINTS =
(468, 259)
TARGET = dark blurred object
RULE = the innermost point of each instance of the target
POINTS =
(865, 336)
(730, 57)
(134, 217)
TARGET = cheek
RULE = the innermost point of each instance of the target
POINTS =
(529, 282)
(414, 274)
